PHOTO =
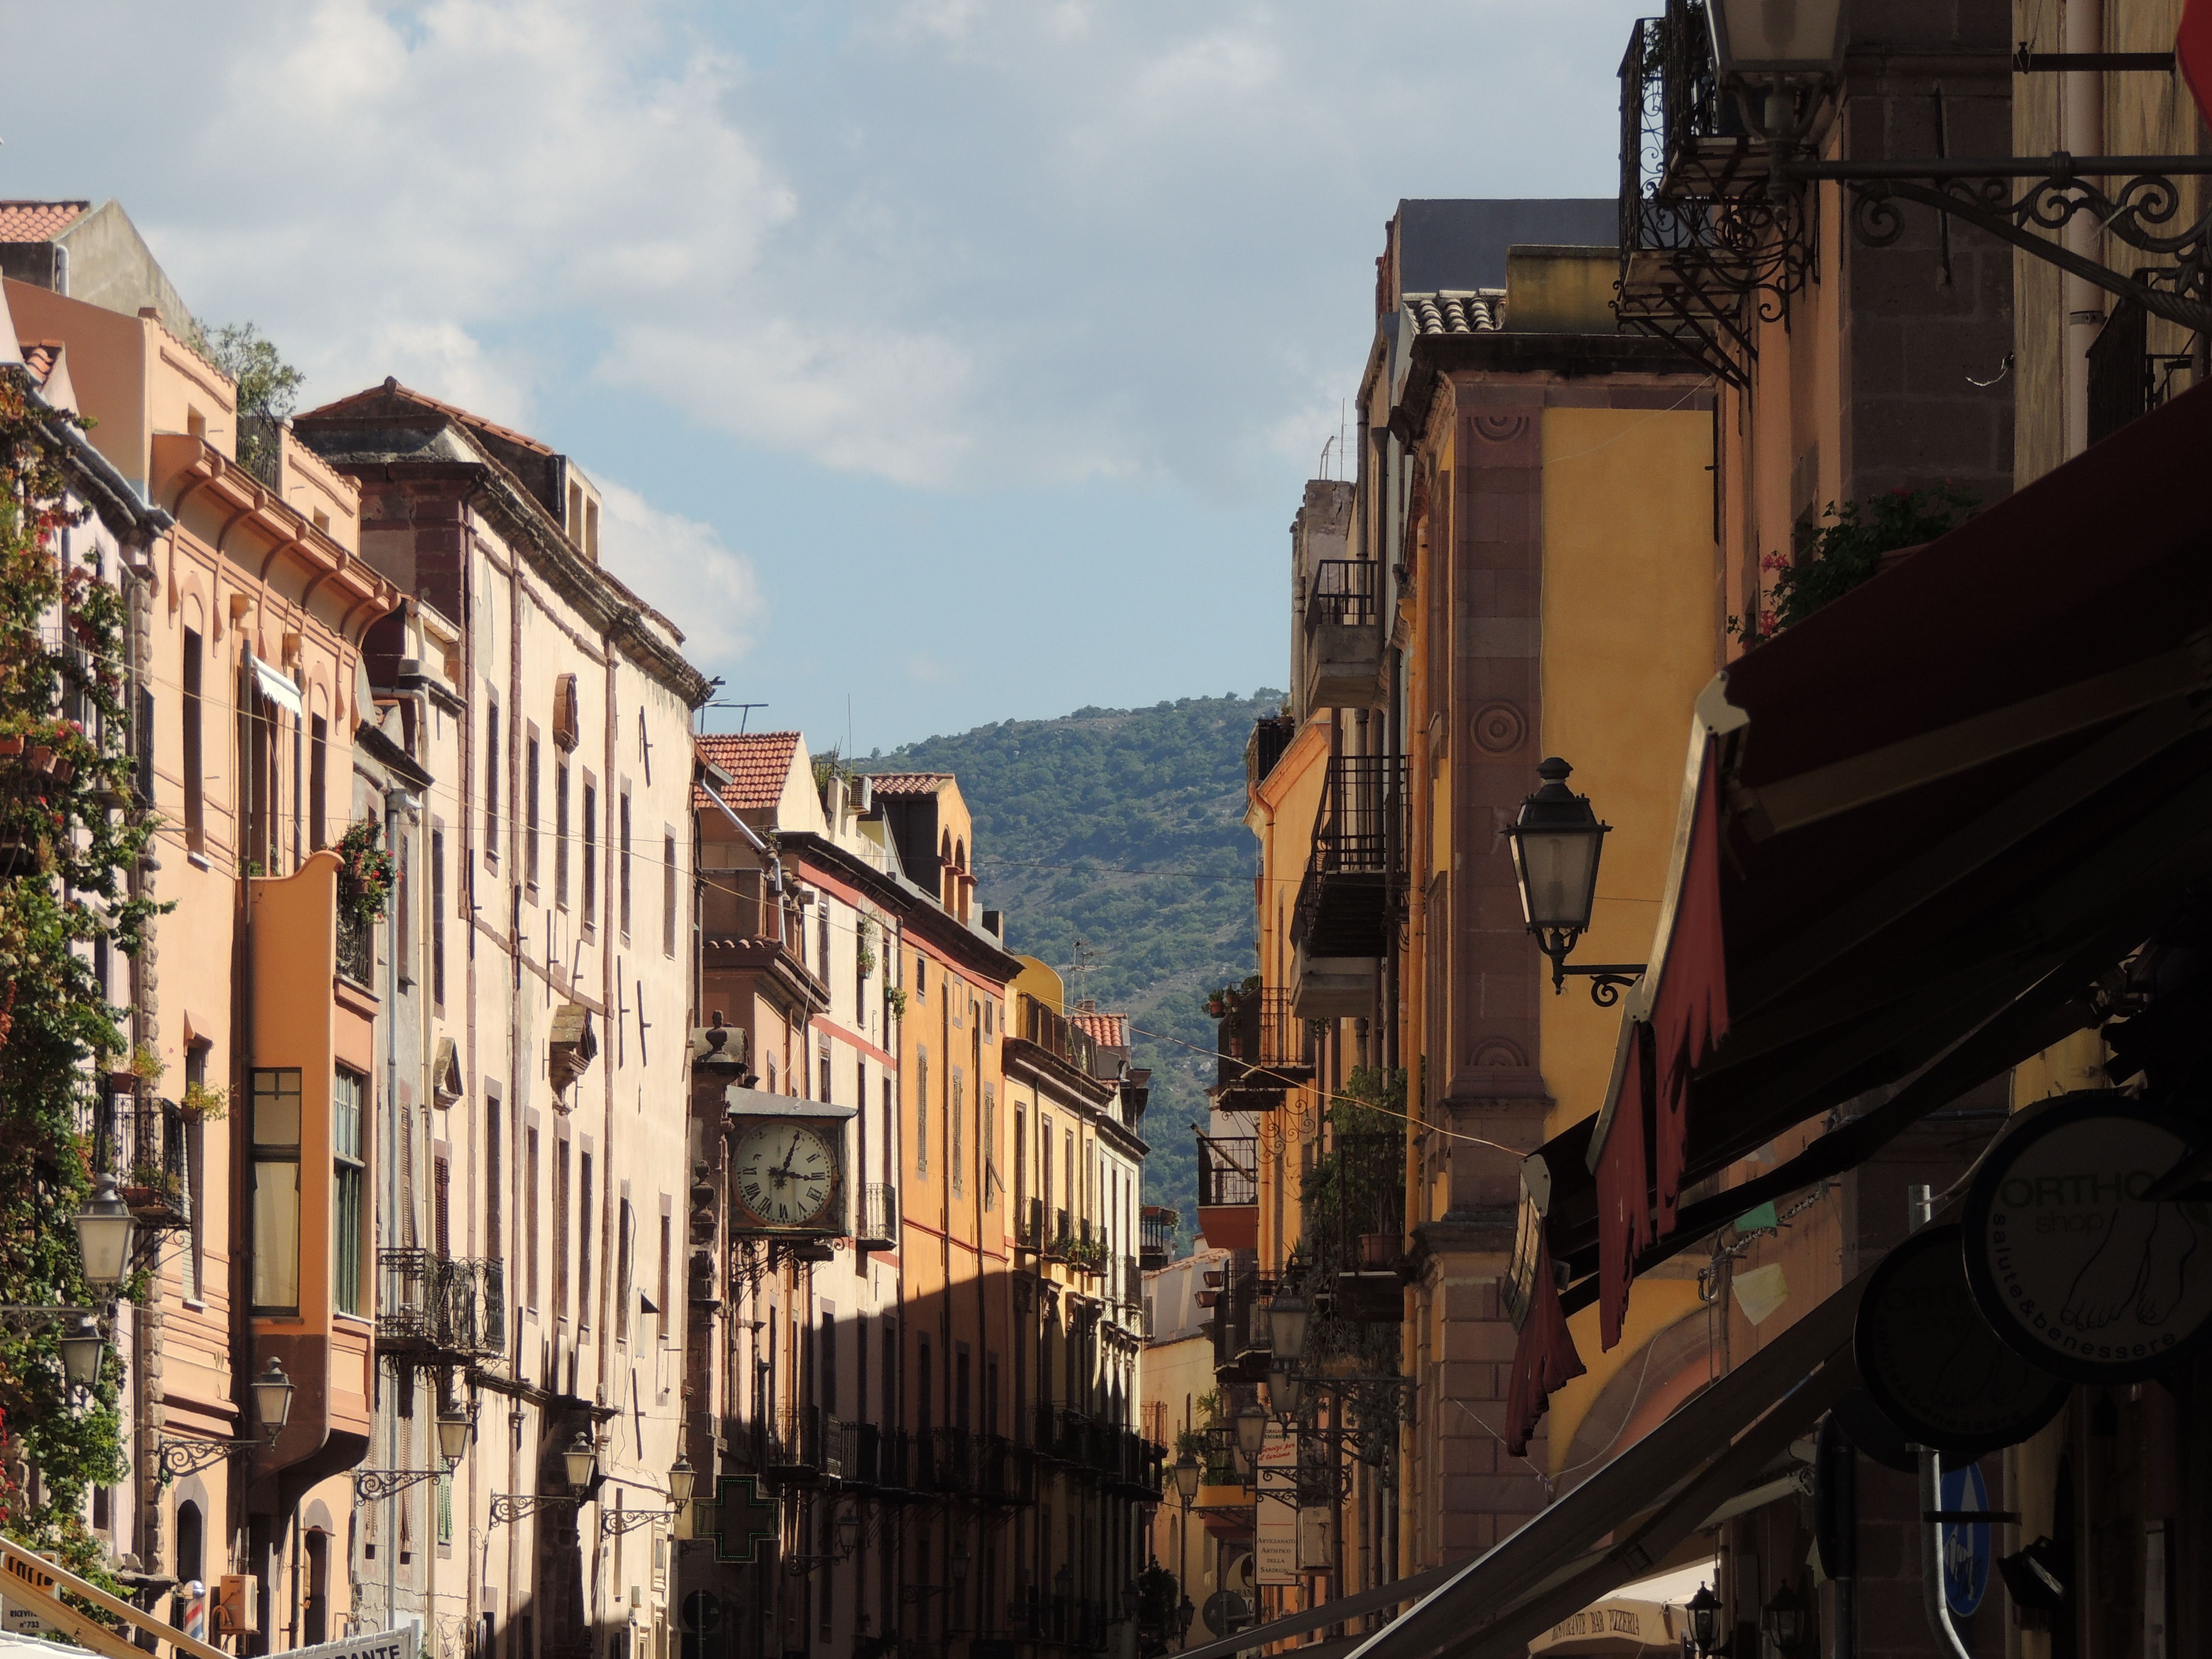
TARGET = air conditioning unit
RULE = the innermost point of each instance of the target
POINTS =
(237, 1605)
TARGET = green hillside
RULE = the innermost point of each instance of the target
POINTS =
(1122, 828)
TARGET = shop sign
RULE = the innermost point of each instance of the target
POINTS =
(1964, 1545)
(2073, 1264)
(1275, 1518)
(1932, 1363)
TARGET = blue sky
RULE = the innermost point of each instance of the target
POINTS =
(958, 358)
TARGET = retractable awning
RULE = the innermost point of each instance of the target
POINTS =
(275, 684)
(1616, 1526)
(1914, 830)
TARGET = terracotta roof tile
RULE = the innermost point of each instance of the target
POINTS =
(1458, 311)
(40, 356)
(392, 388)
(1108, 1030)
(909, 783)
(38, 221)
(757, 763)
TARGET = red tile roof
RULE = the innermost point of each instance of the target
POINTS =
(757, 763)
(909, 783)
(38, 221)
(1108, 1030)
(392, 388)
(40, 356)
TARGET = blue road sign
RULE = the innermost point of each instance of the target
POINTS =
(1965, 1544)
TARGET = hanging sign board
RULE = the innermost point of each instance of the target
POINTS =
(1275, 1518)
(2072, 1265)
(1932, 1363)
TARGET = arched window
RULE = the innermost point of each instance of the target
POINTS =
(960, 855)
(192, 1532)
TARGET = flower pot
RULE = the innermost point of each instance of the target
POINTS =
(64, 768)
(11, 746)
(1377, 1249)
(42, 758)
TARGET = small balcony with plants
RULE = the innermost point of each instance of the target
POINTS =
(1229, 1190)
(1348, 901)
(1262, 1046)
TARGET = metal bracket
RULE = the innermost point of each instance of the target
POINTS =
(181, 1457)
(612, 1522)
(513, 1506)
(369, 1485)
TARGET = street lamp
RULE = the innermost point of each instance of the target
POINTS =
(104, 1232)
(1785, 1621)
(273, 1398)
(1251, 1430)
(849, 1532)
(683, 1481)
(1705, 1611)
(1287, 1325)
(582, 1463)
(1776, 40)
(83, 1347)
(959, 1564)
(454, 1430)
(1186, 1478)
(1557, 842)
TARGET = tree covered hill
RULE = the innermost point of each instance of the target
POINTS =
(1122, 828)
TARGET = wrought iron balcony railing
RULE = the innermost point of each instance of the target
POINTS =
(357, 951)
(1343, 593)
(1228, 1170)
(879, 1215)
(435, 1310)
(1271, 735)
(152, 1158)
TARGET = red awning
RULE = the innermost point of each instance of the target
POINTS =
(1916, 828)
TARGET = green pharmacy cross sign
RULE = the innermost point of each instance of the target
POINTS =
(744, 1520)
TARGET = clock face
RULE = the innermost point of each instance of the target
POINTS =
(787, 1174)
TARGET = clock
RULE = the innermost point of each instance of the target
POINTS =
(788, 1173)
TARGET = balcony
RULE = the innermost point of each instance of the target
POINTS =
(1261, 1050)
(1229, 1190)
(1271, 735)
(1343, 637)
(1355, 1217)
(433, 1310)
(745, 933)
(1240, 1354)
(1694, 217)
(1348, 903)
(951, 1466)
(879, 1217)
(796, 1446)
(357, 951)
(1055, 1034)
(1155, 1237)
(152, 1160)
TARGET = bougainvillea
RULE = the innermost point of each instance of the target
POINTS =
(71, 831)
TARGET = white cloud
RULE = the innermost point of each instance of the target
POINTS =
(680, 567)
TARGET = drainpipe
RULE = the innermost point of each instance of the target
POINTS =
(1920, 1204)
(2081, 124)
(396, 801)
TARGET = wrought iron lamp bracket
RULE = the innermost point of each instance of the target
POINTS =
(369, 1485)
(183, 1457)
(1608, 979)
(614, 1522)
(513, 1506)
(2140, 213)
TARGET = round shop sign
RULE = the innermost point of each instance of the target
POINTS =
(1932, 1363)
(2073, 1266)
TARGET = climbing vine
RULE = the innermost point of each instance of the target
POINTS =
(71, 830)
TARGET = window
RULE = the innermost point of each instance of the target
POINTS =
(668, 893)
(823, 1056)
(348, 1091)
(921, 977)
(491, 783)
(667, 1239)
(623, 848)
(277, 1189)
(194, 1255)
(1021, 1162)
(957, 1160)
(529, 811)
(822, 942)
(561, 832)
(437, 913)
(494, 1209)
(403, 909)
(563, 1189)
(584, 1241)
(441, 1199)
(195, 766)
(530, 1218)
(990, 1133)
(990, 1011)
(591, 852)
(825, 1373)
(921, 1113)
(625, 1223)
(318, 742)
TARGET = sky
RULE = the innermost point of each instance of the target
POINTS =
(942, 361)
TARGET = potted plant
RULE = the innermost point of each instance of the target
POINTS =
(365, 873)
(206, 1102)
